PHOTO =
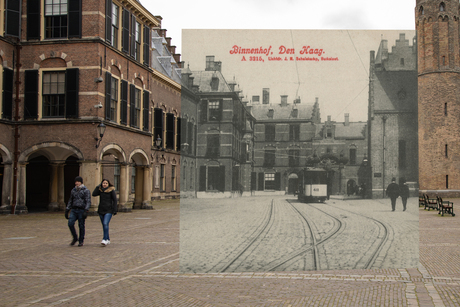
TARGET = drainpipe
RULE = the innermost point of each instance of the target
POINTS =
(384, 119)
(16, 130)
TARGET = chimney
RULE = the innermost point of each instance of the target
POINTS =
(284, 100)
(328, 119)
(347, 119)
(270, 113)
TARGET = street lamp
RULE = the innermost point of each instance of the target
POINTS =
(158, 142)
(100, 131)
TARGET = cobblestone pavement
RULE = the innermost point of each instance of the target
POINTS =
(141, 268)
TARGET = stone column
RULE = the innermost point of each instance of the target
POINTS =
(138, 187)
(123, 204)
(89, 171)
(53, 205)
(7, 188)
(146, 198)
(61, 192)
(21, 207)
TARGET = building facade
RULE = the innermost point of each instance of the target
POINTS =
(438, 38)
(393, 124)
(69, 67)
(219, 135)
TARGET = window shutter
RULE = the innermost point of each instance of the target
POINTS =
(221, 179)
(132, 96)
(261, 181)
(125, 34)
(31, 94)
(71, 97)
(108, 21)
(146, 46)
(179, 127)
(278, 181)
(74, 18)
(169, 130)
(8, 76)
(253, 181)
(146, 102)
(133, 36)
(124, 102)
(204, 111)
(158, 124)
(13, 18)
(108, 95)
(33, 19)
(202, 183)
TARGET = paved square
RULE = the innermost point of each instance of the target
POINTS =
(141, 268)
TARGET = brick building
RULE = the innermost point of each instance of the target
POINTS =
(393, 148)
(218, 148)
(69, 66)
(438, 37)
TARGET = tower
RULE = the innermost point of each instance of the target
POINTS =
(437, 25)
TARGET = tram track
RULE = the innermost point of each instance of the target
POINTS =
(256, 253)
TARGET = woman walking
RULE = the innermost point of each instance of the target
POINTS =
(107, 206)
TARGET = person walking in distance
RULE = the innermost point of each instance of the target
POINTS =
(107, 206)
(78, 206)
(393, 193)
(404, 192)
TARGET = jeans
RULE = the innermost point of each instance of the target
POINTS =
(77, 214)
(105, 220)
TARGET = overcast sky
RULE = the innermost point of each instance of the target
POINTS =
(289, 14)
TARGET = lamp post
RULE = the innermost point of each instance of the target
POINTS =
(100, 131)
(158, 142)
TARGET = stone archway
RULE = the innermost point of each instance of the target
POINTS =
(6, 180)
(293, 183)
(140, 175)
(115, 169)
(42, 176)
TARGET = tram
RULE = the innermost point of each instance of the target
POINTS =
(312, 185)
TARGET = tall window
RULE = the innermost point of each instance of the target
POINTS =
(114, 99)
(115, 25)
(213, 146)
(352, 156)
(55, 18)
(173, 178)
(54, 94)
(137, 53)
(137, 107)
(214, 110)
(294, 157)
(116, 176)
(294, 132)
(162, 178)
(269, 181)
(269, 132)
(269, 157)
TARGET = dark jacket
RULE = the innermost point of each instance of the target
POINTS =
(393, 190)
(79, 198)
(404, 191)
(107, 200)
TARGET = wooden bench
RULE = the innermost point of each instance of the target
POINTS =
(421, 200)
(445, 206)
(431, 203)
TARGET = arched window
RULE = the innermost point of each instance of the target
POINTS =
(442, 7)
(422, 11)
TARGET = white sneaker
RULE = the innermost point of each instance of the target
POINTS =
(104, 242)
(107, 242)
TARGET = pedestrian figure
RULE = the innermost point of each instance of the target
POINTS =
(404, 192)
(78, 205)
(393, 193)
(107, 206)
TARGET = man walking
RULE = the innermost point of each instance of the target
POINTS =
(78, 205)
(393, 192)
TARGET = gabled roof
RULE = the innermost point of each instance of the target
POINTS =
(204, 78)
(287, 112)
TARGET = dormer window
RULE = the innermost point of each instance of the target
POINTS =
(214, 83)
